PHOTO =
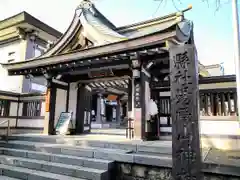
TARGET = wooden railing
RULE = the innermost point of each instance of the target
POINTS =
(218, 103)
(8, 127)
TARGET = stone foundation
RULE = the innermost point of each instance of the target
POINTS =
(141, 172)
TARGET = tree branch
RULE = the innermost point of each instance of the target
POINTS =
(218, 4)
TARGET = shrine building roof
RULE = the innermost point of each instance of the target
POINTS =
(92, 36)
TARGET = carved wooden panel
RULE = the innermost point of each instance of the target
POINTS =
(185, 114)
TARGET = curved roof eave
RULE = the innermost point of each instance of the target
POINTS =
(96, 30)
(75, 24)
(184, 31)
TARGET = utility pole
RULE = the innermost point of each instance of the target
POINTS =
(236, 50)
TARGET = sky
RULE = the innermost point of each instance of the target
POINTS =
(212, 28)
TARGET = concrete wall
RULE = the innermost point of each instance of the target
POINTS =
(61, 100)
(10, 52)
(17, 51)
(33, 84)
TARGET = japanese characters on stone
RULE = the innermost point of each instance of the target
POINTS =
(184, 99)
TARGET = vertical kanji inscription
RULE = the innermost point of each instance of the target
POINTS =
(186, 153)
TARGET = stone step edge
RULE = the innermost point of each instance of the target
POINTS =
(53, 154)
(7, 170)
(60, 165)
(135, 145)
(121, 157)
(57, 168)
(65, 146)
(7, 178)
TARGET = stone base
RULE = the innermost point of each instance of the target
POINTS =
(141, 172)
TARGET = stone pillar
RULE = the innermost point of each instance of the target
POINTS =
(185, 113)
(49, 108)
(98, 114)
(118, 111)
(103, 110)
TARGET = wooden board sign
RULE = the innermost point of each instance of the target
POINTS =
(47, 101)
(63, 123)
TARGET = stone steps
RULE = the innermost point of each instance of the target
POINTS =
(7, 178)
(26, 160)
(88, 152)
(60, 158)
(162, 147)
(28, 174)
(57, 168)
(81, 151)
(111, 155)
(72, 153)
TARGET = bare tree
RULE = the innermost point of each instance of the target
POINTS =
(217, 3)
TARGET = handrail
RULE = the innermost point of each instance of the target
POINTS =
(8, 127)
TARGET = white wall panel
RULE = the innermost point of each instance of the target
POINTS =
(7, 52)
(43, 108)
(34, 123)
(219, 127)
(12, 122)
(61, 98)
(13, 109)
(20, 109)
(73, 101)
(165, 93)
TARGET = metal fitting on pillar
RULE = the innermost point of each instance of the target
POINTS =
(136, 73)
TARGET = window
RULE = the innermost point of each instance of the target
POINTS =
(164, 106)
(4, 108)
(10, 60)
(11, 57)
(38, 50)
(32, 108)
(11, 54)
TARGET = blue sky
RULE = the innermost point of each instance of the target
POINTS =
(212, 30)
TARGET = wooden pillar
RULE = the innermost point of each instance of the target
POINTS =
(68, 95)
(141, 95)
(83, 111)
(130, 98)
(235, 103)
(223, 107)
(212, 104)
(50, 108)
(118, 111)
(217, 104)
(137, 89)
(186, 154)
(129, 107)
(229, 103)
(206, 104)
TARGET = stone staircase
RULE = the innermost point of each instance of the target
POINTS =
(32, 158)
(84, 157)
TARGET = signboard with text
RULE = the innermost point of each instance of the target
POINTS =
(63, 123)
(47, 101)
